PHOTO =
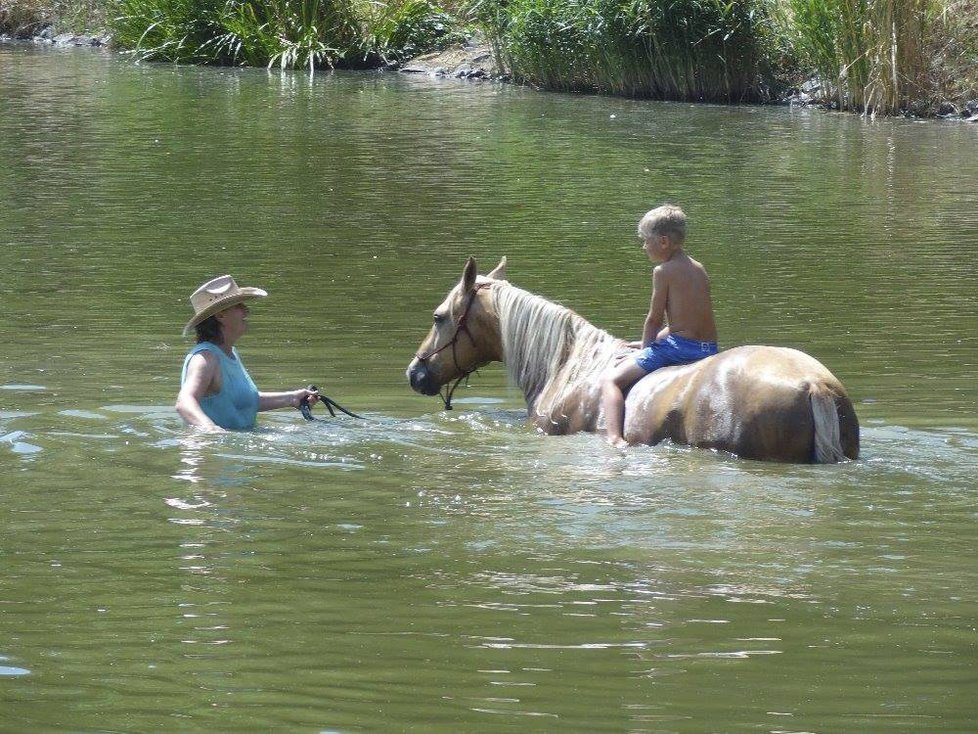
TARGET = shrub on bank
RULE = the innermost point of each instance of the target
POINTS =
(285, 33)
(953, 50)
(25, 18)
(20, 19)
(707, 50)
(396, 32)
(232, 32)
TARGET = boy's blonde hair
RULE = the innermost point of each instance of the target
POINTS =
(666, 220)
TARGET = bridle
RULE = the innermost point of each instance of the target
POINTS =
(462, 327)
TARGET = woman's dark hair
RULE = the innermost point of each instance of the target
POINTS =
(209, 330)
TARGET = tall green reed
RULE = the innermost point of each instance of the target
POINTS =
(712, 50)
(874, 55)
(396, 31)
(168, 30)
(284, 33)
(956, 50)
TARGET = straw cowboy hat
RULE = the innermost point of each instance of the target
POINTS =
(216, 295)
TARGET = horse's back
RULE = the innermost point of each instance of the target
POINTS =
(754, 401)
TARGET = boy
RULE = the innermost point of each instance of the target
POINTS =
(680, 298)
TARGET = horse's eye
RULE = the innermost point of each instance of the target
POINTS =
(439, 318)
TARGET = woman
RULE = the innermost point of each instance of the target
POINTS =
(216, 391)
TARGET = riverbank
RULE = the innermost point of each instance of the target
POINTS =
(475, 61)
(948, 89)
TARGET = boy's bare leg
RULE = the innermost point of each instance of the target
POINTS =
(616, 384)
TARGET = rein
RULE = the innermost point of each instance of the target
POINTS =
(461, 327)
(330, 404)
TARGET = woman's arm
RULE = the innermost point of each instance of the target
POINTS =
(289, 398)
(201, 373)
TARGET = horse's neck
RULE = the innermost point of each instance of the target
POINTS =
(548, 349)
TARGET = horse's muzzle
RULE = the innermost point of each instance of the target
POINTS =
(421, 378)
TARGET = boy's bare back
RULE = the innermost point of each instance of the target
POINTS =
(688, 305)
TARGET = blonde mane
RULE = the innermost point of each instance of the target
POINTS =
(548, 345)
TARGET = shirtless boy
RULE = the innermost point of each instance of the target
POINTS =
(680, 327)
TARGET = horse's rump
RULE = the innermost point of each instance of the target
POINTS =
(754, 401)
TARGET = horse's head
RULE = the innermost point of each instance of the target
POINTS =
(464, 336)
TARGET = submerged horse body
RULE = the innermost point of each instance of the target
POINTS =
(757, 402)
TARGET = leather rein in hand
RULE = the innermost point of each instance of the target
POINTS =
(330, 404)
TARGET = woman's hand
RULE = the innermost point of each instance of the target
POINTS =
(304, 394)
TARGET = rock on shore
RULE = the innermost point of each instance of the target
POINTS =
(48, 35)
(471, 60)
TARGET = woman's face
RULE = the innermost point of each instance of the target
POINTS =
(234, 322)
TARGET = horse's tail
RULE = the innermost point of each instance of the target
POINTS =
(828, 442)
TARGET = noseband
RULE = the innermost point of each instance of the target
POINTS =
(461, 327)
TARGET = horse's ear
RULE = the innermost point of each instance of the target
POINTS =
(469, 274)
(499, 272)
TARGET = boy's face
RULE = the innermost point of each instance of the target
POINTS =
(658, 247)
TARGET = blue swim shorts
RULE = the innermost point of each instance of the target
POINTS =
(673, 350)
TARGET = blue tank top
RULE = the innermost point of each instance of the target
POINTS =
(235, 407)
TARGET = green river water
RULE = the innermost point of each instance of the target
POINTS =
(434, 571)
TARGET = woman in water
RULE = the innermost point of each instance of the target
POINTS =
(216, 391)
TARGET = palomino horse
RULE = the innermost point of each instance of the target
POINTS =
(756, 402)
